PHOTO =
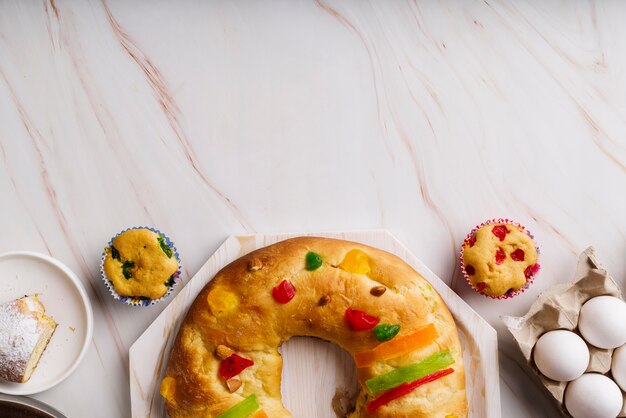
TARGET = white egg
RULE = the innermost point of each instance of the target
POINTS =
(593, 395)
(561, 355)
(618, 367)
(602, 322)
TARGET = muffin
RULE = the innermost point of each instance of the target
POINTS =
(141, 265)
(499, 258)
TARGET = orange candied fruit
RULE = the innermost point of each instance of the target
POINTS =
(168, 389)
(222, 301)
(356, 261)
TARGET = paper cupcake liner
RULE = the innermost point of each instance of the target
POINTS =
(529, 280)
(134, 301)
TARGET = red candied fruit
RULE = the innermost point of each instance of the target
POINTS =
(284, 292)
(359, 320)
(471, 240)
(518, 255)
(233, 365)
(530, 270)
(500, 231)
(500, 256)
(481, 286)
(469, 269)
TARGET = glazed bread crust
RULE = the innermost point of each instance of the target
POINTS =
(236, 309)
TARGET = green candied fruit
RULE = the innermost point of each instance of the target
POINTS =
(242, 409)
(385, 332)
(167, 250)
(170, 281)
(410, 373)
(115, 254)
(126, 266)
(313, 261)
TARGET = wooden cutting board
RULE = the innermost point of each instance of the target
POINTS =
(314, 371)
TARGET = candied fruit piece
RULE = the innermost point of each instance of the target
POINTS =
(500, 256)
(360, 320)
(222, 301)
(313, 261)
(481, 286)
(386, 332)
(469, 269)
(243, 409)
(531, 270)
(518, 255)
(233, 366)
(500, 231)
(168, 389)
(284, 292)
(471, 241)
(356, 261)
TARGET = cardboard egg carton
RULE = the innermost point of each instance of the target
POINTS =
(558, 308)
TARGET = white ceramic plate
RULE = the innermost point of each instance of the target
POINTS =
(65, 299)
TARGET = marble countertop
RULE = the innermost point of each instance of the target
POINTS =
(213, 118)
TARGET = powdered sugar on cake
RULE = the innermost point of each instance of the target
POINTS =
(19, 334)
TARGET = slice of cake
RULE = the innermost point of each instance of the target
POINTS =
(25, 331)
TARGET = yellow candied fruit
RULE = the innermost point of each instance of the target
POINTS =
(451, 416)
(168, 389)
(356, 261)
(222, 301)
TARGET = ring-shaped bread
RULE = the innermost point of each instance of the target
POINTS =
(330, 289)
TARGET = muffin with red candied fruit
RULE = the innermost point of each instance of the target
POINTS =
(499, 258)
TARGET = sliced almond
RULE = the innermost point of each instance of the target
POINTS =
(378, 290)
(324, 300)
(222, 352)
(233, 384)
(255, 264)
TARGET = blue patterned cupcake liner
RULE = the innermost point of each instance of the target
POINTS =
(135, 301)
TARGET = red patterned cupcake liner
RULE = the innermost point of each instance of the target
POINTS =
(532, 270)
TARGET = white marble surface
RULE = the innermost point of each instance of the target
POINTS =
(212, 118)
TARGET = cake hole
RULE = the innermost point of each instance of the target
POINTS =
(318, 379)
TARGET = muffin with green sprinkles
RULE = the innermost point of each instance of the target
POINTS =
(140, 266)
